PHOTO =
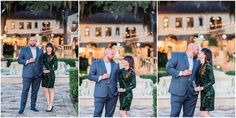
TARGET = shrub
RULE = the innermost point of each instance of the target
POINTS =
(9, 60)
(73, 83)
(128, 49)
(162, 59)
(8, 51)
(44, 39)
(212, 41)
(81, 78)
(153, 77)
(230, 72)
(154, 105)
(83, 64)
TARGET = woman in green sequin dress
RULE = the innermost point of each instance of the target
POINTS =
(206, 80)
(127, 82)
(48, 80)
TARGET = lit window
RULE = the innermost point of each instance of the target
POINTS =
(130, 32)
(215, 22)
(178, 22)
(108, 31)
(98, 31)
(166, 22)
(87, 31)
(12, 25)
(46, 26)
(29, 25)
(190, 22)
(21, 25)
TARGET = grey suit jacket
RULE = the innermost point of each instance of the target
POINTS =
(104, 87)
(180, 85)
(33, 69)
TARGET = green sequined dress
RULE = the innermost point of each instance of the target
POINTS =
(50, 63)
(207, 80)
(128, 83)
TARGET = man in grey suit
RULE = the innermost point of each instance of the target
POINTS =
(183, 68)
(31, 57)
(105, 73)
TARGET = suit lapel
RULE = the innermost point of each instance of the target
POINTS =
(31, 55)
(186, 60)
(37, 53)
(103, 65)
(112, 67)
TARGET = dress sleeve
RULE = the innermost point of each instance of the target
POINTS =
(211, 77)
(132, 83)
(55, 64)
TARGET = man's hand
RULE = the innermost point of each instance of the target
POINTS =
(186, 73)
(105, 76)
(31, 60)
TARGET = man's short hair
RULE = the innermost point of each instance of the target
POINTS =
(31, 35)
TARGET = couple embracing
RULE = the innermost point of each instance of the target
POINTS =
(192, 73)
(112, 82)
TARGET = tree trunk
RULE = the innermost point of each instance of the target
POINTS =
(154, 27)
(65, 18)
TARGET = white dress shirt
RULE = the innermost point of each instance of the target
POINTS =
(190, 63)
(108, 68)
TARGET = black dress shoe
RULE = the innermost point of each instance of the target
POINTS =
(34, 109)
(50, 109)
(20, 111)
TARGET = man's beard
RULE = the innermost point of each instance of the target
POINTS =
(32, 45)
(110, 59)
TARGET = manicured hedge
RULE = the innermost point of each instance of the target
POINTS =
(154, 105)
(73, 83)
(230, 72)
(153, 77)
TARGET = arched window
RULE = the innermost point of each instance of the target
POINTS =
(130, 32)
(87, 31)
(218, 22)
(165, 22)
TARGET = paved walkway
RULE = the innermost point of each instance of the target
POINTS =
(136, 111)
(10, 100)
(219, 111)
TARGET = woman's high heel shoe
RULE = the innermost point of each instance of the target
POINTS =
(50, 109)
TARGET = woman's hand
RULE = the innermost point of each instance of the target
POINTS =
(121, 90)
(46, 71)
(197, 89)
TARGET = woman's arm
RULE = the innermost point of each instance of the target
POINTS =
(132, 85)
(211, 77)
(55, 64)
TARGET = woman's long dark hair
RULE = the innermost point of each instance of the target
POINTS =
(208, 59)
(53, 52)
(131, 64)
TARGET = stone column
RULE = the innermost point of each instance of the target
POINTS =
(15, 49)
(62, 48)
(73, 49)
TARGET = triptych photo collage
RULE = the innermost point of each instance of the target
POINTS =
(117, 58)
